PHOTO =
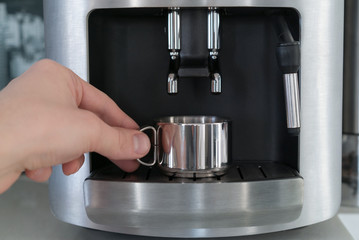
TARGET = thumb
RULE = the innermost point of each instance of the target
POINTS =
(115, 143)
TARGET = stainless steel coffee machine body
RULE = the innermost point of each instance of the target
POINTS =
(161, 58)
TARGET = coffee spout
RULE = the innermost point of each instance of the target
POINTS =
(216, 83)
(215, 76)
(172, 83)
(172, 79)
(174, 46)
(213, 47)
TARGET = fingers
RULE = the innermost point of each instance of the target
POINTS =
(112, 142)
(127, 165)
(73, 166)
(104, 107)
(98, 125)
(7, 180)
(86, 96)
(39, 175)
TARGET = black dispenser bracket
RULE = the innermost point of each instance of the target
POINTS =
(189, 56)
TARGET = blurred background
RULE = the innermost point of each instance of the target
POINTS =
(21, 37)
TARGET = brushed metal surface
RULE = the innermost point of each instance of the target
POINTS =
(18, 205)
(238, 199)
(213, 42)
(321, 103)
(351, 70)
(174, 29)
(213, 29)
(174, 45)
(292, 100)
(195, 206)
(172, 82)
(216, 83)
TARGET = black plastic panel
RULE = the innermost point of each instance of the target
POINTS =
(129, 61)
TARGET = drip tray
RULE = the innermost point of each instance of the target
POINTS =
(250, 194)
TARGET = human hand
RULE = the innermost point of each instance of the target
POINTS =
(50, 116)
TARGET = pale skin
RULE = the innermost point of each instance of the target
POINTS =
(50, 116)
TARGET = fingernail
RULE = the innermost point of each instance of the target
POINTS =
(141, 143)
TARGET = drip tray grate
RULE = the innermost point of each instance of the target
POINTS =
(241, 172)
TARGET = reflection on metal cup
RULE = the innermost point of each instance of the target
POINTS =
(192, 146)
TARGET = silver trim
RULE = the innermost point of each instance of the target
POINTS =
(172, 82)
(292, 100)
(155, 146)
(213, 39)
(174, 29)
(213, 29)
(239, 198)
(197, 206)
(174, 45)
(216, 83)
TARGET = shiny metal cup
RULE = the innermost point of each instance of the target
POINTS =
(191, 146)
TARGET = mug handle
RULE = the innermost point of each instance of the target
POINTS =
(155, 145)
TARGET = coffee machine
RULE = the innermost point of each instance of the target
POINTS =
(273, 67)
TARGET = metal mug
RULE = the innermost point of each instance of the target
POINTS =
(191, 146)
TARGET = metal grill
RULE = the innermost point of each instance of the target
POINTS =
(241, 172)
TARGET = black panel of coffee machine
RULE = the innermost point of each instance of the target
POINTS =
(130, 61)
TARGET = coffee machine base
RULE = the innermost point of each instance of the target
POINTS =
(149, 200)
